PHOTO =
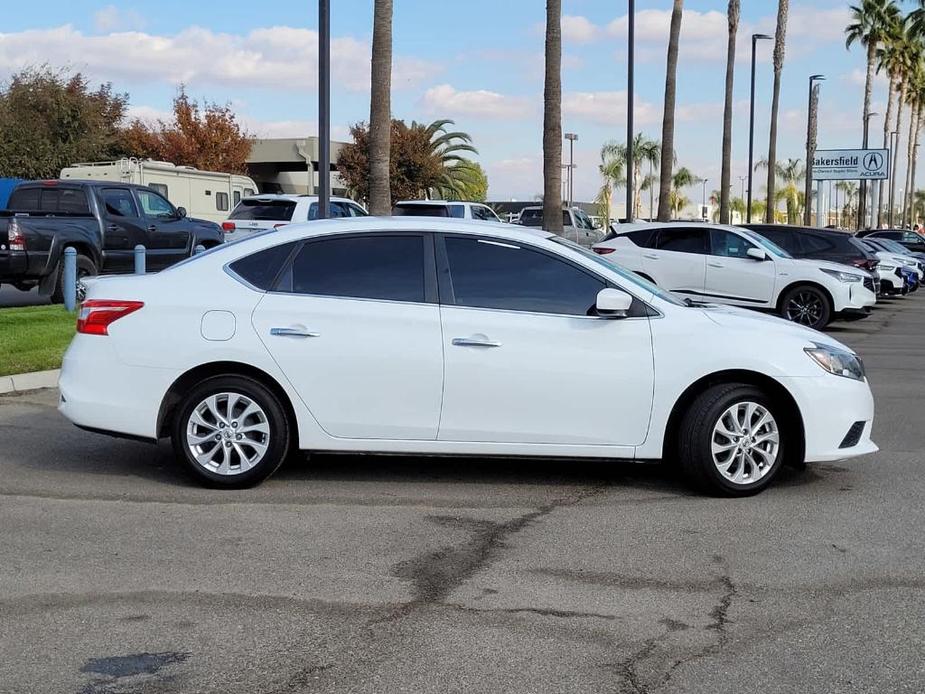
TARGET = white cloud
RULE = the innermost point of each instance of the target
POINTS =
(577, 29)
(111, 18)
(445, 100)
(607, 108)
(274, 57)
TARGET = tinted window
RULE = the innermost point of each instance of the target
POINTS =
(356, 210)
(418, 210)
(237, 196)
(532, 217)
(458, 211)
(264, 210)
(260, 269)
(682, 240)
(25, 200)
(118, 202)
(221, 202)
(365, 267)
(729, 245)
(154, 205)
(816, 244)
(643, 237)
(493, 274)
(785, 239)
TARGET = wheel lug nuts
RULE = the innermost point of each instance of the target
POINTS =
(238, 437)
(221, 425)
(234, 424)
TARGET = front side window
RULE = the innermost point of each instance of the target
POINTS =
(154, 205)
(494, 274)
(356, 210)
(683, 240)
(363, 267)
(729, 245)
(118, 202)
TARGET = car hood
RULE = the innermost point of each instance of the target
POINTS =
(830, 265)
(757, 323)
(905, 261)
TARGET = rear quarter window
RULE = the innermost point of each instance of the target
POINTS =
(260, 269)
(644, 237)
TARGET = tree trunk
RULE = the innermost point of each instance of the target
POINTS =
(915, 158)
(894, 166)
(810, 152)
(780, 42)
(887, 124)
(380, 111)
(671, 83)
(725, 182)
(552, 120)
(868, 87)
(913, 125)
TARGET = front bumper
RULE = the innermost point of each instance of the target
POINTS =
(834, 409)
(854, 295)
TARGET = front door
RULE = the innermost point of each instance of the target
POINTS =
(526, 359)
(735, 277)
(168, 234)
(355, 327)
(123, 229)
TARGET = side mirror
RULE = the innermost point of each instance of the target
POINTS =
(181, 212)
(613, 303)
(757, 253)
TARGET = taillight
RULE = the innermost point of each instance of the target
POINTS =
(15, 236)
(228, 226)
(603, 250)
(96, 315)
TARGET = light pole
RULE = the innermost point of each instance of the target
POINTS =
(862, 193)
(751, 128)
(811, 103)
(893, 134)
(571, 137)
(703, 200)
(324, 108)
(742, 181)
(630, 59)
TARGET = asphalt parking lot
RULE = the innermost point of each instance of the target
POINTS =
(354, 574)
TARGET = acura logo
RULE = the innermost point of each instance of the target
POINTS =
(873, 161)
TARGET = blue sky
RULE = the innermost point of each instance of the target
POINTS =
(478, 62)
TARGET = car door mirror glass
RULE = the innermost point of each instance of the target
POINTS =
(756, 253)
(181, 212)
(613, 303)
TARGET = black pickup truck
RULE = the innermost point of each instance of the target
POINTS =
(103, 221)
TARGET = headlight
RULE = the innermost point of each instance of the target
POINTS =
(843, 276)
(837, 361)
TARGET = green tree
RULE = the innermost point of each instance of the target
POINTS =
(789, 175)
(613, 175)
(645, 151)
(680, 179)
(50, 119)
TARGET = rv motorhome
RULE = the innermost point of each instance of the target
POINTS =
(207, 195)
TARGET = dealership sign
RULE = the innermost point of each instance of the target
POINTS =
(851, 164)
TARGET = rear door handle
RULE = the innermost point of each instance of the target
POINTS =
(293, 332)
(716, 265)
(650, 256)
(152, 228)
(474, 342)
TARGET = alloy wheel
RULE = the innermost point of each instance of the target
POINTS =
(745, 443)
(805, 307)
(228, 433)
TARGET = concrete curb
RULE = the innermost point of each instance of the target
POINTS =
(18, 383)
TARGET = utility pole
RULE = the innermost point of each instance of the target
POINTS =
(571, 137)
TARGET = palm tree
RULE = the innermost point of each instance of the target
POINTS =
(645, 151)
(457, 175)
(380, 110)
(918, 205)
(613, 175)
(850, 191)
(671, 83)
(780, 40)
(732, 17)
(680, 179)
(552, 120)
(893, 57)
(790, 176)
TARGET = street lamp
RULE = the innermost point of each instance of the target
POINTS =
(703, 200)
(811, 104)
(324, 108)
(751, 127)
(571, 137)
(862, 194)
(630, 58)
(742, 181)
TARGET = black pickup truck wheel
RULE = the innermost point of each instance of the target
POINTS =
(85, 268)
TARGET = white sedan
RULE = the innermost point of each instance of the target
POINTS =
(424, 336)
(731, 265)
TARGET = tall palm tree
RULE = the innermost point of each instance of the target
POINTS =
(732, 17)
(790, 174)
(645, 151)
(780, 41)
(552, 120)
(680, 179)
(903, 58)
(892, 57)
(671, 84)
(458, 174)
(380, 110)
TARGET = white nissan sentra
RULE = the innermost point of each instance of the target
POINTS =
(426, 336)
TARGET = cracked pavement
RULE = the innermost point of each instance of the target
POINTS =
(359, 574)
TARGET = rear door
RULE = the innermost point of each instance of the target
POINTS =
(168, 234)
(677, 261)
(123, 228)
(732, 276)
(355, 326)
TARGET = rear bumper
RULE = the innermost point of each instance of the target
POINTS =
(831, 406)
(14, 266)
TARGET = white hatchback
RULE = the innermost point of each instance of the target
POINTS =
(425, 336)
(731, 265)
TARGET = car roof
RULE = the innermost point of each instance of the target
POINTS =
(797, 228)
(436, 203)
(293, 197)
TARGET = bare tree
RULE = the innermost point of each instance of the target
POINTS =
(552, 120)
(671, 82)
(380, 110)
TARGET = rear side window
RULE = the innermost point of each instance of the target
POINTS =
(683, 240)
(50, 201)
(813, 243)
(363, 267)
(414, 210)
(499, 275)
(644, 237)
(532, 217)
(261, 269)
(785, 239)
(264, 210)
(458, 211)
(221, 202)
(25, 200)
(118, 202)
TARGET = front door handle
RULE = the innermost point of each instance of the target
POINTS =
(475, 342)
(152, 228)
(293, 332)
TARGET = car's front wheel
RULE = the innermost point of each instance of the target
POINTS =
(231, 431)
(731, 440)
(807, 305)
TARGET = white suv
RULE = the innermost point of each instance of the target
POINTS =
(262, 212)
(443, 208)
(730, 265)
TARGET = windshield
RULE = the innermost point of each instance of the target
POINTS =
(631, 277)
(894, 246)
(767, 244)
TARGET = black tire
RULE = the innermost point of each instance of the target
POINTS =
(807, 305)
(279, 433)
(85, 268)
(696, 436)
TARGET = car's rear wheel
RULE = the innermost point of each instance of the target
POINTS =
(731, 440)
(231, 431)
(85, 268)
(807, 305)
